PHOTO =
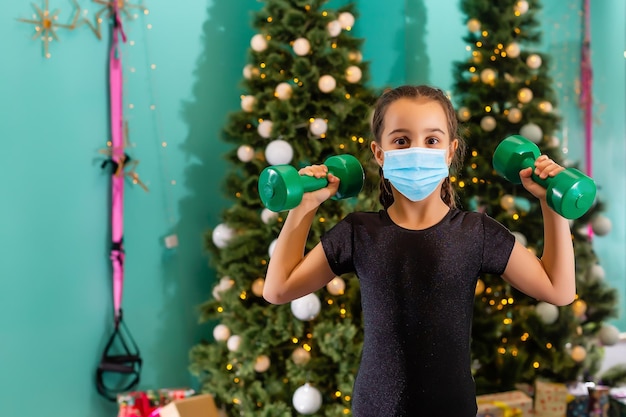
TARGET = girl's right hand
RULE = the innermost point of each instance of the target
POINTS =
(317, 197)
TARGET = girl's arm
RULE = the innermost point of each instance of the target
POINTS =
(551, 278)
(290, 274)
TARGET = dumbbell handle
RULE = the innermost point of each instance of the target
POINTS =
(310, 183)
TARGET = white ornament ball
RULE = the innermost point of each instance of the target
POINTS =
(532, 132)
(262, 363)
(226, 283)
(327, 83)
(222, 234)
(512, 50)
(464, 114)
(301, 46)
(245, 153)
(520, 238)
(525, 95)
(278, 152)
(473, 25)
(270, 249)
(601, 225)
(533, 61)
(545, 106)
(283, 91)
(318, 126)
(233, 343)
(521, 6)
(336, 286)
(268, 216)
(353, 74)
(548, 313)
(257, 287)
(487, 76)
(300, 356)
(515, 115)
(334, 28)
(488, 123)
(355, 56)
(578, 353)
(247, 103)
(554, 142)
(346, 20)
(306, 308)
(221, 333)
(596, 272)
(608, 334)
(307, 399)
(265, 129)
(258, 42)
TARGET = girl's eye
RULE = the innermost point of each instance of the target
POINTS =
(432, 141)
(401, 141)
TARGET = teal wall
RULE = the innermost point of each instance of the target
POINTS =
(55, 303)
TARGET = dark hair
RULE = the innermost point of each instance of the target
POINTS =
(377, 126)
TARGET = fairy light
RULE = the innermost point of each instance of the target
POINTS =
(306, 347)
(229, 367)
(220, 309)
(536, 365)
(524, 337)
(549, 345)
(294, 340)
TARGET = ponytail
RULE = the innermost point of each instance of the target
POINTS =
(386, 196)
(447, 193)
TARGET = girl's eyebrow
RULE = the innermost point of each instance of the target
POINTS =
(405, 130)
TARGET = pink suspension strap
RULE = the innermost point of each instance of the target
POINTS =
(125, 360)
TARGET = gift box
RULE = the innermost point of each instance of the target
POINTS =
(148, 403)
(550, 399)
(196, 406)
(505, 404)
(577, 400)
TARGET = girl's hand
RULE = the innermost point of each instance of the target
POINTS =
(319, 196)
(544, 168)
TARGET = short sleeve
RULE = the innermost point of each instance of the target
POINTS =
(337, 245)
(498, 244)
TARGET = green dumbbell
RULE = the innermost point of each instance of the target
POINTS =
(281, 186)
(570, 193)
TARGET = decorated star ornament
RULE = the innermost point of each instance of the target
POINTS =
(46, 24)
(124, 9)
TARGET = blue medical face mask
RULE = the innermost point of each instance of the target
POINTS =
(415, 172)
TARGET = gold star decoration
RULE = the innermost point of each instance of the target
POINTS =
(126, 166)
(123, 7)
(46, 24)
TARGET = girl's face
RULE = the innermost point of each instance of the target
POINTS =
(414, 122)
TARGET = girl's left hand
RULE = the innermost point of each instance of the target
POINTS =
(544, 168)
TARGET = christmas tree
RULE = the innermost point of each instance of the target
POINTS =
(304, 99)
(503, 88)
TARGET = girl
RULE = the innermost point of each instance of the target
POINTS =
(418, 261)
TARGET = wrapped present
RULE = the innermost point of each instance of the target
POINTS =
(598, 401)
(148, 403)
(550, 399)
(577, 400)
(504, 404)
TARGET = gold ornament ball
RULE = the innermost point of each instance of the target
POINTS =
(326, 83)
(336, 286)
(262, 363)
(300, 356)
(480, 287)
(247, 103)
(525, 95)
(283, 91)
(257, 287)
(473, 25)
(545, 106)
(521, 7)
(301, 46)
(258, 43)
(579, 353)
(355, 56)
(515, 115)
(512, 50)
(533, 61)
(488, 123)
(464, 114)
(579, 308)
(507, 202)
(353, 74)
(488, 76)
